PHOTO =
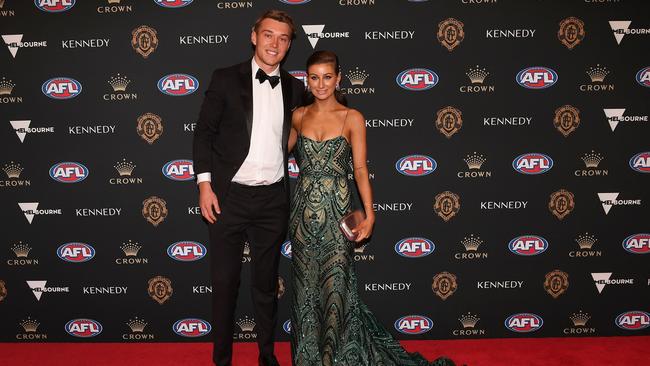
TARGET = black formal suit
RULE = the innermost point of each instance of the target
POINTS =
(258, 214)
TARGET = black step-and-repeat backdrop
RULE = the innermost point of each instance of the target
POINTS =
(508, 152)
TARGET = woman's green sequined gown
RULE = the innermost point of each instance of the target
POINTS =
(330, 325)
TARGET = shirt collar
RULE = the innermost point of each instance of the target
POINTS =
(256, 67)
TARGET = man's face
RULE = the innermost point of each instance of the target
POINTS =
(272, 41)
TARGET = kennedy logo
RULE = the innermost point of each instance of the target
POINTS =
(643, 77)
(54, 6)
(610, 199)
(315, 33)
(571, 32)
(536, 77)
(450, 33)
(616, 115)
(622, 28)
(567, 119)
(144, 40)
(449, 120)
(61, 88)
(173, 4)
(14, 42)
(641, 162)
(178, 84)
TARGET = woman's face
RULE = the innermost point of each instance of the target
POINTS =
(322, 80)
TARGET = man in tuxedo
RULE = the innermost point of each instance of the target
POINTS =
(240, 157)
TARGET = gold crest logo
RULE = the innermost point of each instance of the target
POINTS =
(561, 204)
(154, 209)
(567, 119)
(444, 285)
(160, 289)
(450, 33)
(571, 32)
(144, 40)
(150, 127)
(3, 290)
(449, 120)
(281, 287)
(556, 283)
(446, 205)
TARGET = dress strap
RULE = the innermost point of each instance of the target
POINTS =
(344, 119)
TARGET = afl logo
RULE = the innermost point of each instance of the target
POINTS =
(537, 77)
(179, 170)
(68, 172)
(295, 2)
(76, 252)
(413, 324)
(633, 320)
(637, 243)
(417, 79)
(416, 165)
(186, 251)
(83, 328)
(414, 247)
(528, 245)
(61, 88)
(192, 328)
(641, 162)
(173, 3)
(54, 6)
(178, 85)
(524, 323)
(643, 77)
(532, 163)
(293, 168)
(287, 326)
(286, 249)
(300, 75)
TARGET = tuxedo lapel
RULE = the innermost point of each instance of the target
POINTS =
(246, 77)
(285, 81)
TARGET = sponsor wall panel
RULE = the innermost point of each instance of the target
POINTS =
(507, 150)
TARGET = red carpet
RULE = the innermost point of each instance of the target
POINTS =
(610, 351)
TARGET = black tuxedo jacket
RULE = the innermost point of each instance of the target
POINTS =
(223, 132)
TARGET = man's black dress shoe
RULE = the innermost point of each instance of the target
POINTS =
(268, 361)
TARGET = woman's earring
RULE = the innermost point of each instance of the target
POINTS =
(338, 87)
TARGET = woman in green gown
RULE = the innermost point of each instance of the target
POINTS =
(330, 325)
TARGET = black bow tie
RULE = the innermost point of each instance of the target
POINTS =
(262, 76)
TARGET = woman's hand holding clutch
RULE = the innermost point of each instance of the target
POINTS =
(364, 229)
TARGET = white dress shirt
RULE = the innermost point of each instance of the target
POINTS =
(263, 164)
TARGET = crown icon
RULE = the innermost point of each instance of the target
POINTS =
(477, 75)
(6, 86)
(468, 320)
(247, 248)
(119, 83)
(597, 73)
(21, 250)
(592, 159)
(586, 241)
(136, 325)
(472, 243)
(124, 168)
(357, 77)
(130, 249)
(360, 249)
(474, 161)
(30, 325)
(580, 319)
(114, 1)
(12, 170)
(246, 325)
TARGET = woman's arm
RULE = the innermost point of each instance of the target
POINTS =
(357, 126)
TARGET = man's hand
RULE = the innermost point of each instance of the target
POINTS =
(208, 202)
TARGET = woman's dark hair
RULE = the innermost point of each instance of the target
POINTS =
(324, 57)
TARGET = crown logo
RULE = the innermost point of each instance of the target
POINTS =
(124, 168)
(30, 325)
(592, 159)
(586, 241)
(130, 248)
(468, 320)
(6, 86)
(12, 170)
(477, 75)
(357, 77)
(247, 248)
(119, 83)
(246, 325)
(474, 161)
(114, 1)
(360, 249)
(472, 243)
(580, 319)
(136, 325)
(21, 250)
(597, 73)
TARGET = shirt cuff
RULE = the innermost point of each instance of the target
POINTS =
(203, 177)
